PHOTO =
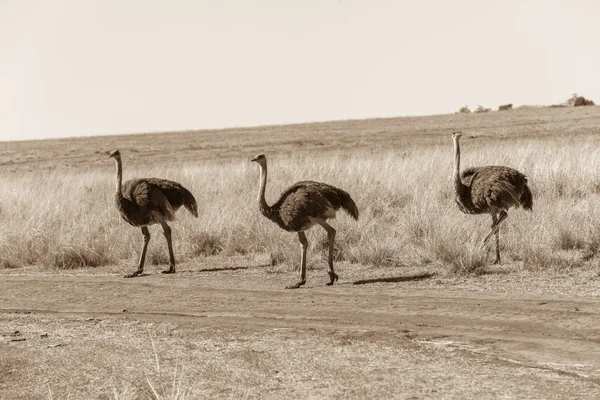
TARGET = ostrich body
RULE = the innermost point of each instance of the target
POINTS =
(300, 207)
(147, 201)
(489, 190)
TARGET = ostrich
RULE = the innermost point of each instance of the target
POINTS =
(491, 190)
(148, 201)
(301, 206)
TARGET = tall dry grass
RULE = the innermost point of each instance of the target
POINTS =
(67, 219)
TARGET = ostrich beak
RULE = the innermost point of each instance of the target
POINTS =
(255, 159)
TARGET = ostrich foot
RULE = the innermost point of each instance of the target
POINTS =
(295, 285)
(134, 274)
(169, 271)
(333, 277)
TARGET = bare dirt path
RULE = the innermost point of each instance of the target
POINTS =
(465, 343)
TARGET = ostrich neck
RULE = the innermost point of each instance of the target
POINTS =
(119, 178)
(262, 203)
(458, 185)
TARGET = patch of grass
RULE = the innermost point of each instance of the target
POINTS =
(567, 239)
(9, 264)
(379, 253)
(73, 258)
(277, 257)
(177, 388)
(160, 384)
(400, 181)
(205, 244)
(158, 255)
(536, 258)
(465, 257)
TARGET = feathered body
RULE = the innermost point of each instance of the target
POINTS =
(148, 201)
(305, 201)
(491, 190)
(300, 207)
(143, 200)
(492, 187)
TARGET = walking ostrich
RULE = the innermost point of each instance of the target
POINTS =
(147, 201)
(490, 189)
(301, 206)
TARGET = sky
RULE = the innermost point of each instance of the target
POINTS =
(81, 67)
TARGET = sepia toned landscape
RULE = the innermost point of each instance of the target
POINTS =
(420, 311)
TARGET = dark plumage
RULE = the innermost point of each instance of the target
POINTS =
(305, 200)
(303, 205)
(499, 187)
(489, 190)
(142, 198)
(147, 201)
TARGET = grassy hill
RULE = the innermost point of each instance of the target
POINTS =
(241, 143)
(57, 198)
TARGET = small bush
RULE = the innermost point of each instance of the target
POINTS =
(277, 257)
(73, 258)
(592, 242)
(157, 255)
(482, 109)
(538, 257)
(505, 107)
(464, 110)
(568, 240)
(9, 264)
(205, 244)
(576, 101)
(376, 254)
(464, 258)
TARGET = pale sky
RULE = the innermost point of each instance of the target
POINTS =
(81, 67)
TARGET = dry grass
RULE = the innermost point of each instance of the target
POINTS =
(170, 383)
(65, 218)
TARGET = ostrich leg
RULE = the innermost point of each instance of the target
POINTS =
(331, 236)
(503, 215)
(497, 233)
(496, 221)
(495, 224)
(167, 232)
(304, 244)
(140, 268)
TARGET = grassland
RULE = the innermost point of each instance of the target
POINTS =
(57, 197)
(418, 311)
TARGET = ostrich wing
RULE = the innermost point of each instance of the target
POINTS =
(305, 200)
(152, 195)
(496, 187)
(173, 191)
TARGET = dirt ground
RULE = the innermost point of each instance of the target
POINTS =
(229, 330)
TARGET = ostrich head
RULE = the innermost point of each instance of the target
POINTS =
(114, 154)
(456, 135)
(260, 160)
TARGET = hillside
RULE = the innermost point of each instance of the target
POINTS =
(241, 143)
